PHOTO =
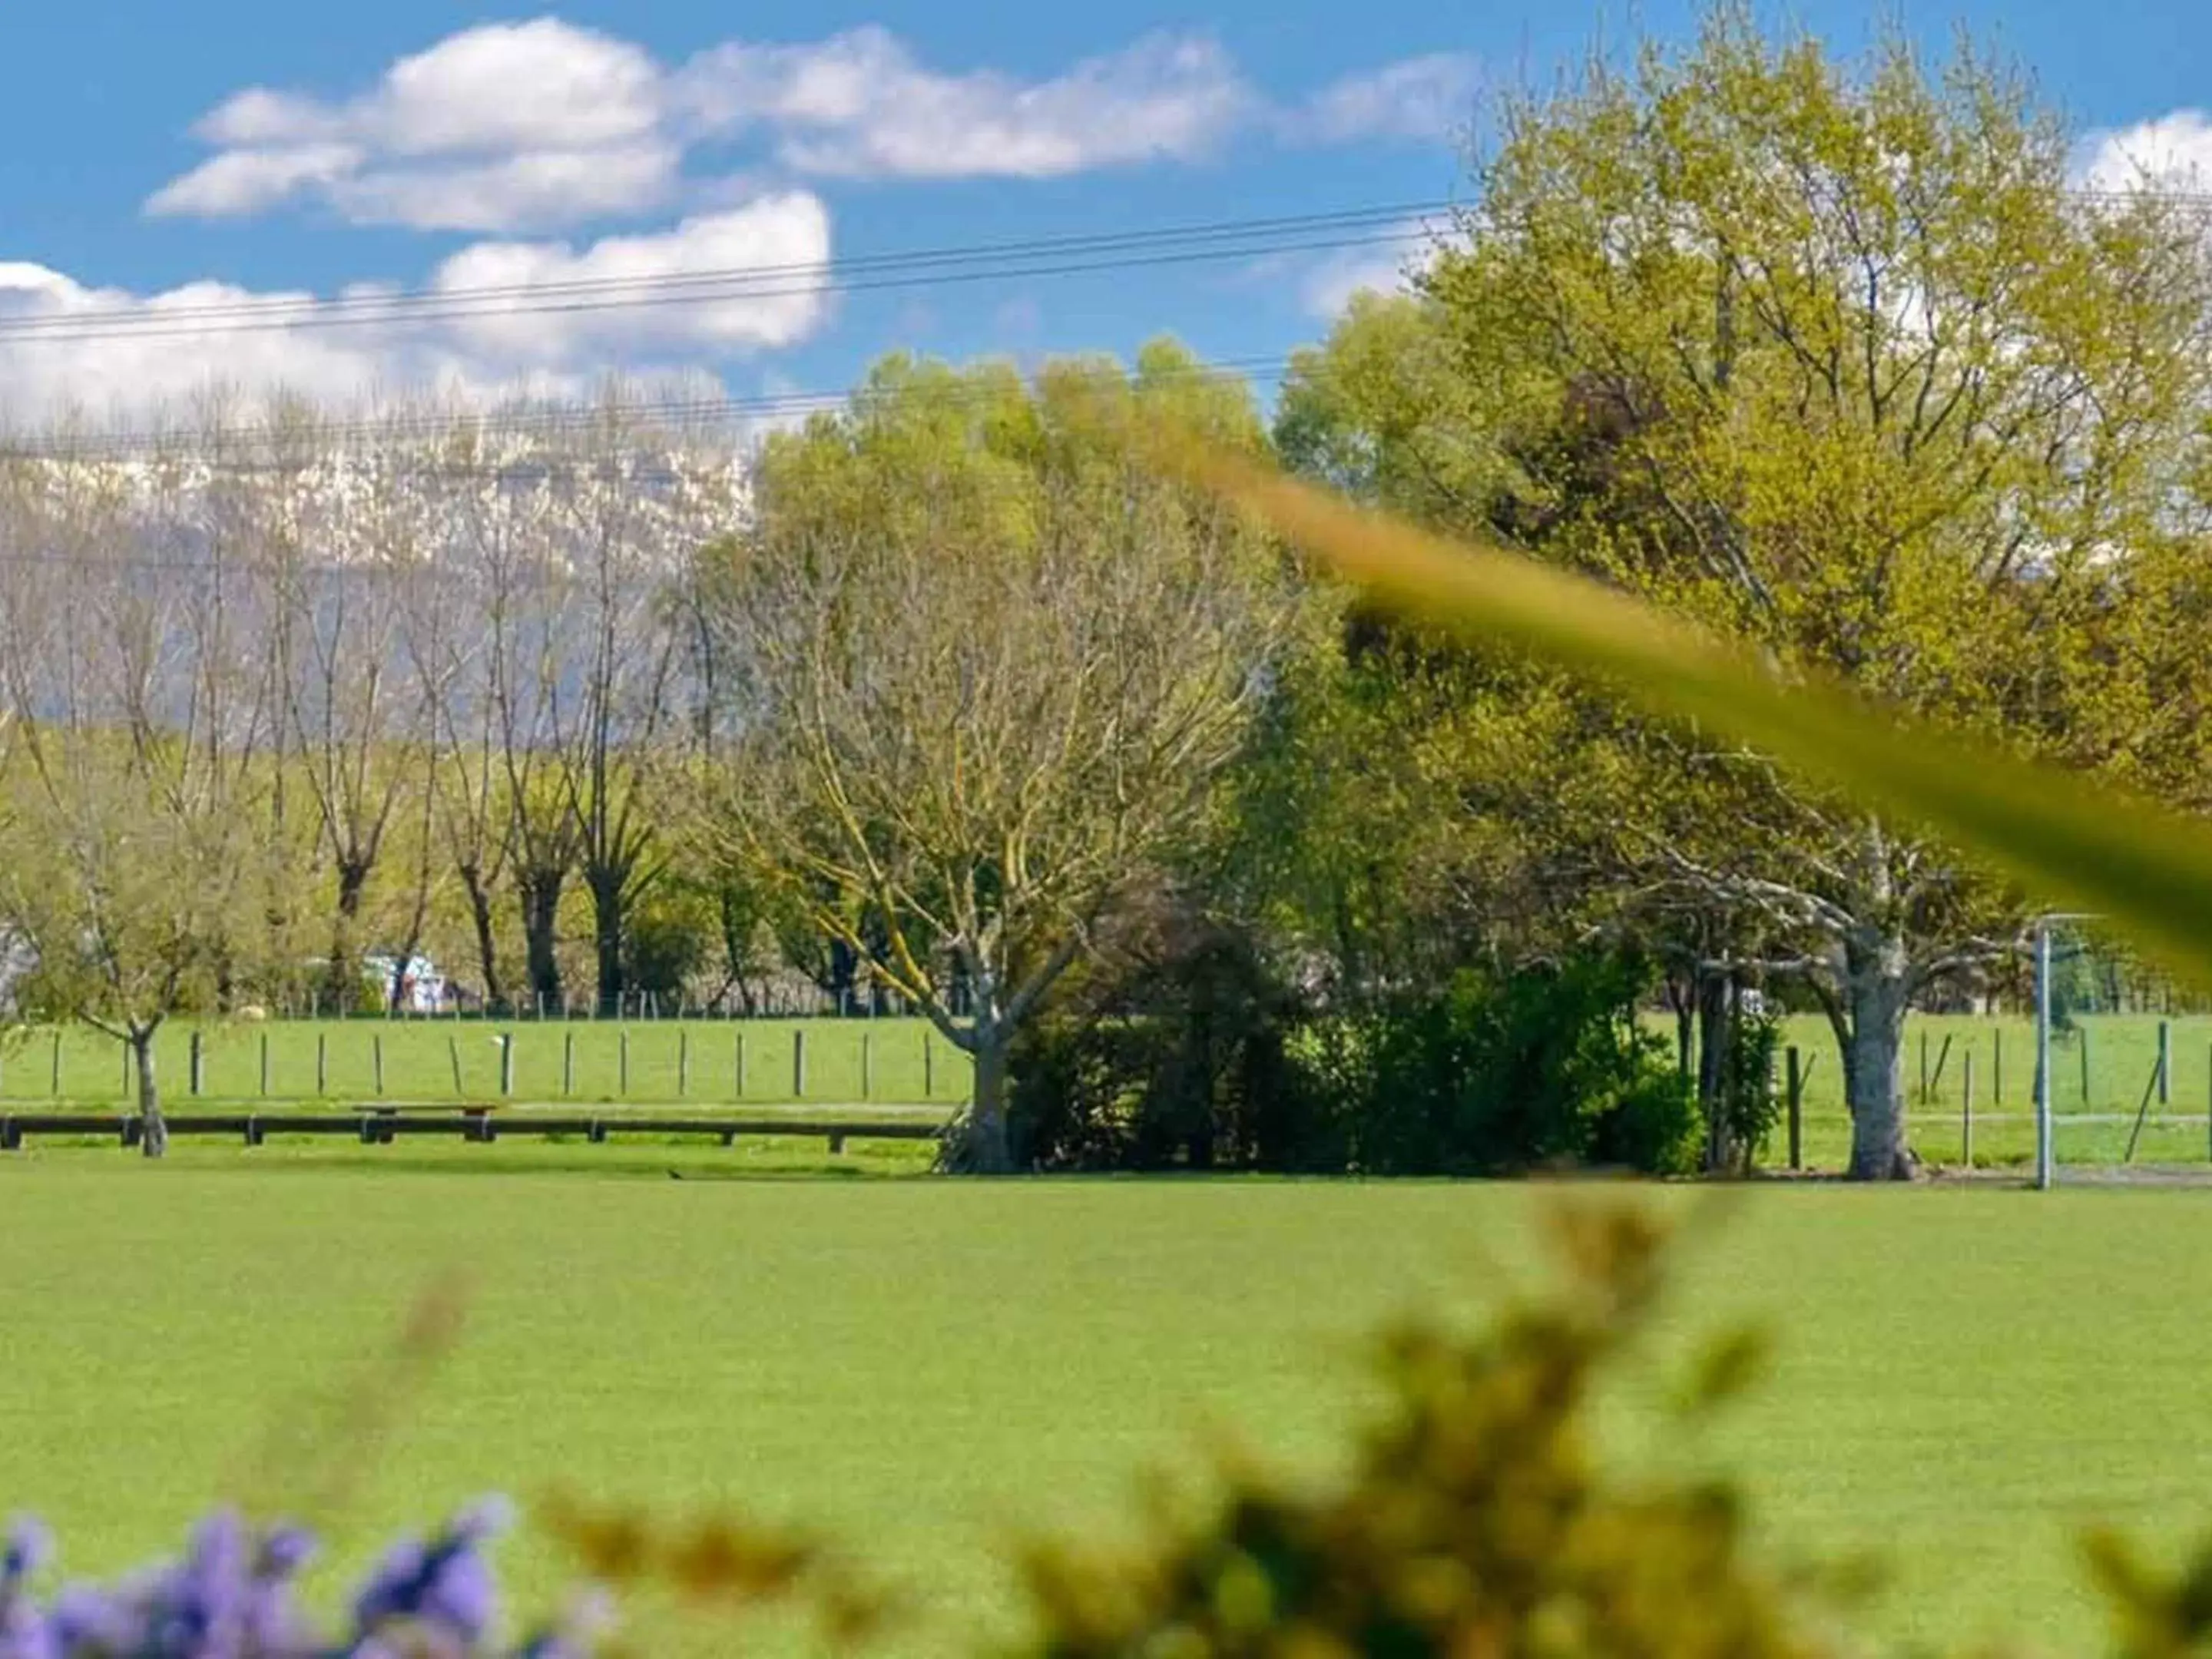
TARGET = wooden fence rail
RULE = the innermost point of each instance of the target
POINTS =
(382, 1125)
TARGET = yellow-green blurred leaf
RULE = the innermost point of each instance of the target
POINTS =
(2076, 842)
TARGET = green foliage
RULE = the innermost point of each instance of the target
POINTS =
(1513, 1071)
(1183, 1063)
(1208, 1060)
(1749, 1105)
(1826, 358)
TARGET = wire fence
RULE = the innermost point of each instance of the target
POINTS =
(444, 1060)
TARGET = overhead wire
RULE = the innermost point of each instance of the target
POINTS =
(989, 262)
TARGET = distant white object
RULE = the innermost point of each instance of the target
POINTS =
(421, 986)
(1752, 1002)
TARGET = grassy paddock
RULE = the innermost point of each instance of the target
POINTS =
(2122, 1053)
(1965, 1376)
(673, 1063)
(669, 1062)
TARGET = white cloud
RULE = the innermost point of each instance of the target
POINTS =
(531, 188)
(1418, 99)
(1328, 288)
(512, 127)
(502, 127)
(242, 181)
(127, 351)
(500, 87)
(2173, 151)
(859, 105)
(1327, 285)
(786, 237)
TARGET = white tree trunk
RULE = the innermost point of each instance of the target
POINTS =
(153, 1128)
(1876, 987)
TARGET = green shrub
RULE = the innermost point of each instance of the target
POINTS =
(1206, 1062)
(1515, 1071)
(1180, 1063)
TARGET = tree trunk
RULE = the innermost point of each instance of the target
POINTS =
(980, 1145)
(1715, 1010)
(487, 942)
(343, 982)
(153, 1129)
(540, 890)
(1876, 988)
(607, 916)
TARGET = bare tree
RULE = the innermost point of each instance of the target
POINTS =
(342, 524)
(634, 505)
(135, 834)
(985, 669)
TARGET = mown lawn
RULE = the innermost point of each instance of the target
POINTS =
(924, 1364)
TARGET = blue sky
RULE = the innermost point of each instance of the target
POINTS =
(154, 156)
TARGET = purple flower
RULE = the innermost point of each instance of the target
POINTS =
(231, 1597)
(446, 1584)
(29, 1545)
(88, 1621)
(25, 1632)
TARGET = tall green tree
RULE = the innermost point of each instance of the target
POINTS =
(986, 667)
(1830, 357)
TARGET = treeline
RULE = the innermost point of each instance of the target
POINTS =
(958, 695)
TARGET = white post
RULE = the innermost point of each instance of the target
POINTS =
(2043, 1055)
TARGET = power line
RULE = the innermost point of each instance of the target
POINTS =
(1030, 248)
(1011, 261)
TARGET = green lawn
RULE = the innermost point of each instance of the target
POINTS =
(920, 1364)
(335, 1061)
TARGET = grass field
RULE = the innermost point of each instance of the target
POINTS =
(2095, 1102)
(668, 1062)
(1965, 1376)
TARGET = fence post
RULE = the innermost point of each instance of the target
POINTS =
(741, 1062)
(322, 1064)
(2165, 1063)
(57, 1090)
(1966, 1116)
(622, 1089)
(453, 1052)
(1796, 1085)
(867, 1063)
(128, 1090)
(506, 1065)
(568, 1061)
(376, 1060)
(2085, 1069)
(799, 1062)
(682, 1061)
(1996, 1064)
(264, 1064)
(199, 1062)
